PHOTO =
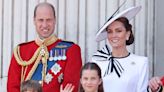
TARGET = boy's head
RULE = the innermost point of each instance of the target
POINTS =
(31, 86)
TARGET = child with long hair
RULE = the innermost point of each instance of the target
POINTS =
(90, 78)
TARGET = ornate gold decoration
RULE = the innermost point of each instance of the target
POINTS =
(40, 54)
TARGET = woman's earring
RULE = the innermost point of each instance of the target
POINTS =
(127, 38)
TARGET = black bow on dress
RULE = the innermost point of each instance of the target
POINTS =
(113, 65)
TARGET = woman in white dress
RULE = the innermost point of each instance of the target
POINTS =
(122, 71)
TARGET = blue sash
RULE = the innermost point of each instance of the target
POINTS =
(56, 53)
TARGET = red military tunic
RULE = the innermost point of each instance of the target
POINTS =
(70, 68)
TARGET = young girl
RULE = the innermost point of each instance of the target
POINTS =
(90, 78)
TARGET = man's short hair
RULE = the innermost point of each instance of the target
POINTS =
(44, 4)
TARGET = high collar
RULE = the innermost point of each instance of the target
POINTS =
(46, 41)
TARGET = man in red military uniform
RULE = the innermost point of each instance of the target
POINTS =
(47, 59)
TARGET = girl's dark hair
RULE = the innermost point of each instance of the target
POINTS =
(91, 66)
(128, 27)
(32, 85)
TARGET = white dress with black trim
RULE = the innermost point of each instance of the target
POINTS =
(125, 74)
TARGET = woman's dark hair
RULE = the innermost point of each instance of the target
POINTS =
(128, 27)
(31, 85)
(91, 66)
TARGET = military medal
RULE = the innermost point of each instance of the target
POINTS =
(55, 56)
(51, 56)
(60, 78)
(56, 68)
(63, 54)
(48, 78)
(59, 56)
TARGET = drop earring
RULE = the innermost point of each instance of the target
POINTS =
(127, 38)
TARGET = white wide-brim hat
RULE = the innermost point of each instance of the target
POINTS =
(128, 13)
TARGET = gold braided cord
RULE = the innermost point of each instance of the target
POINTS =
(46, 55)
(35, 58)
(37, 62)
(19, 59)
(44, 69)
(44, 62)
(33, 68)
(22, 74)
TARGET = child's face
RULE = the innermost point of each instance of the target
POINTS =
(90, 80)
